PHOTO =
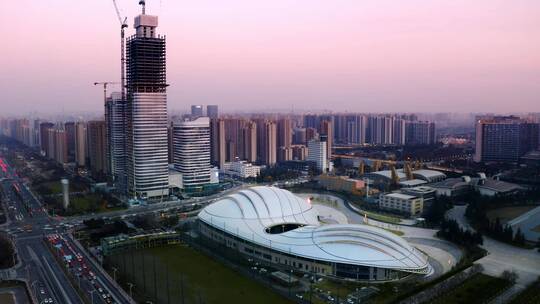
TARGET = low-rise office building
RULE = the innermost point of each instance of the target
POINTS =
(242, 169)
(341, 183)
(402, 203)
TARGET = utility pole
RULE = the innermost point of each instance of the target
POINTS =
(144, 273)
(168, 290)
(155, 277)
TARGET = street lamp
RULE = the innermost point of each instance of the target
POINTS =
(91, 292)
(130, 289)
(33, 285)
(114, 269)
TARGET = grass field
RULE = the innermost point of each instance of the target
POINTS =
(381, 217)
(199, 278)
(477, 289)
(506, 214)
(54, 187)
(6, 298)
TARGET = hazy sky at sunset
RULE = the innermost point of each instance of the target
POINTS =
(355, 55)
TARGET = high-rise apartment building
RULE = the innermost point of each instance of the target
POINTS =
(97, 148)
(316, 153)
(70, 140)
(60, 146)
(192, 152)
(504, 138)
(249, 141)
(327, 130)
(284, 139)
(197, 111)
(217, 142)
(146, 109)
(267, 142)
(51, 143)
(299, 136)
(115, 120)
(420, 133)
(80, 144)
(212, 111)
(44, 137)
(400, 132)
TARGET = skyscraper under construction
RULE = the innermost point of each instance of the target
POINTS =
(146, 123)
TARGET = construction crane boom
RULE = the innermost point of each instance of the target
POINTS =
(105, 84)
(123, 25)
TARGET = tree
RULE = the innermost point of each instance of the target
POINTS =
(7, 252)
(510, 276)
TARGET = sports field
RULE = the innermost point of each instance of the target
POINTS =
(506, 214)
(184, 275)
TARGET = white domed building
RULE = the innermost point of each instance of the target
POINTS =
(281, 229)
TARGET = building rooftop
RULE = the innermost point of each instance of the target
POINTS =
(421, 189)
(412, 183)
(450, 183)
(429, 174)
(497, 185)
(400, 195)
(388, 174)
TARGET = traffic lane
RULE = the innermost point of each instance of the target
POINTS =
(41, 286)
(76, 264)
(101, 280)
(65, 286)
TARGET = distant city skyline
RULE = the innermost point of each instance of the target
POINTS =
(374, 56)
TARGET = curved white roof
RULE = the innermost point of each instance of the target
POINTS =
(429, 174)
(249, 212)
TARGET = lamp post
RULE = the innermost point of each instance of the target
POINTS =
(130, 289)
(114, 269)
(91, 292)
(33, 285)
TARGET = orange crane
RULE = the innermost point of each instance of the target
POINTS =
(123, 25)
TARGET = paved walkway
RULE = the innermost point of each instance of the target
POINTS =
(501, 256)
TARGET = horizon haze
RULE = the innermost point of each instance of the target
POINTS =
(374, 56)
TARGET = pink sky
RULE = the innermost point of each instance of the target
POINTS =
(342, 55)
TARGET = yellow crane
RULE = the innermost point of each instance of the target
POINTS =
(361, 168)
(408, 171)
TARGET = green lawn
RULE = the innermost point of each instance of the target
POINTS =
(477, 289)
(204, 280)
(54, 187)
(381, 217)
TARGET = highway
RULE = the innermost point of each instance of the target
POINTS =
(31, 228)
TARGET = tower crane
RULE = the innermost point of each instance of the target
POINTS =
(123, 25)
(105, 84)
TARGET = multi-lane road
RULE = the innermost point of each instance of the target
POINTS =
(50, 278)
(51, 261)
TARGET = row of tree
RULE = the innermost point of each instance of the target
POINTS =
(477, 214)
(451, 231)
